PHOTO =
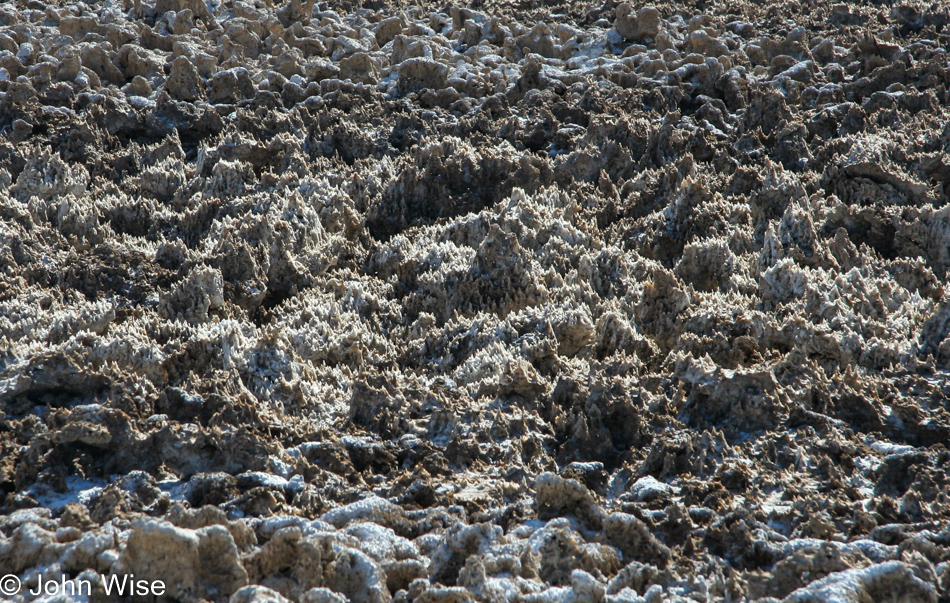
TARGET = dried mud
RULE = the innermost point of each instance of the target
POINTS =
(487, 302)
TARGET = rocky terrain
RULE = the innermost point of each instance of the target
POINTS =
(495, 301)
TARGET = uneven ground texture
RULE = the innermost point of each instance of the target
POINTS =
(489, 302)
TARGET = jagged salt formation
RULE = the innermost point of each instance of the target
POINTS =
(594, 302)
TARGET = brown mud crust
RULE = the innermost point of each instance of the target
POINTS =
(500, 301)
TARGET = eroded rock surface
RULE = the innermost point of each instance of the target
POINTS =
(563, 301)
